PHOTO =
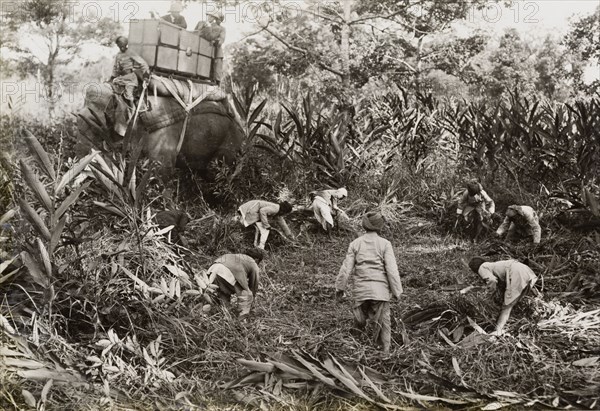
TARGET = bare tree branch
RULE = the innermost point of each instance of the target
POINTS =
(375, 16)
(254, 34)
(411, 68)
(341, 20)
(303, 52)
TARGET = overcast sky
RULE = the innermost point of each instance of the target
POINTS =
(539, 16)
(534, 19)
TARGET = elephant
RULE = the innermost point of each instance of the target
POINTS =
(212, 132)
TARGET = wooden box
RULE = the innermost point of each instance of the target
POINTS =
(186, 62)
(204, 65)
(189, 40)
(166, 58)
(206, 49)
(170, 49)
(169, 33)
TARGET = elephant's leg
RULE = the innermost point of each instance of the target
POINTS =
(168, 182)
(161, 145)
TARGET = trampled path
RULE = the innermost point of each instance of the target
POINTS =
(440, 354)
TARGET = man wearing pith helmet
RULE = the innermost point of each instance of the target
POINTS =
(174, 16)
(215, 34)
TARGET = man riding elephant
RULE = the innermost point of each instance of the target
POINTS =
(187, 125)
(129, 70)
(174, 16)
(212, 131)
(215, 34)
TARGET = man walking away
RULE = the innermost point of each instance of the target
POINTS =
(371, 263)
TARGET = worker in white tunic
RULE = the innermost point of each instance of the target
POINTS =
(511, 277)
(258, 212)
(521, 222)
(324, 205)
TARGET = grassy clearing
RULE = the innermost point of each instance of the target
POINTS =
(296, 312)
(106, 320)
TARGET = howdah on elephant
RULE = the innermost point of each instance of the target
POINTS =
(212, 131)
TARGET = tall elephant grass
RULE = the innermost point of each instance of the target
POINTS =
(102, 288)
(415, 147)
(90, 265)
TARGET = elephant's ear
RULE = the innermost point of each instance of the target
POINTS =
(93, 120)
(91, 128)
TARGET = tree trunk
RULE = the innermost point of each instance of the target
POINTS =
(51, 67)
(50, 98)
(419, 64)
(345, 44)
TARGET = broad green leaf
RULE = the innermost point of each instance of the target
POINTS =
(373, 386)
(314, 370)
(35, 270)
(296, 119)
(494, 406)
(257, 366)
(587, 362)
(70, 200)
(267, 138)
(141, 188)
(257, 111)
(349, 383)
(29, 398)
(277, 126)
(36, 186)
(100, 163)
(172, 286)
(6, 277)
(7, 216)
(75, 171)
(107, 180)
(148, 359)
(132, 184)
(6, 325)
(291, 368)
(129, 165)
(135, 278)
(43, 374)
(46, 390)
(5, 264)
(16, 363)
(57, 232)
(420, 397)
(164, 286)
(45, 257)
(40, 154)
(111, 209)
(592, 202)
(34, 218)
(178, 272)
(253, 132)
(239, 106)
(252, 378)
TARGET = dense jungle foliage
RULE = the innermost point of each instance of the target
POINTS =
(100, 309)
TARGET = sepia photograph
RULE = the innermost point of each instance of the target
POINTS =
(299, 205)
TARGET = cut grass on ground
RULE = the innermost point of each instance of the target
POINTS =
(296, 311)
